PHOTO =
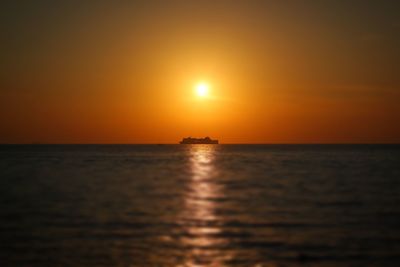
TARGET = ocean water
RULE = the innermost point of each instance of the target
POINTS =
(199, 205)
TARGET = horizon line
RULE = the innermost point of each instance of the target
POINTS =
(339, 143)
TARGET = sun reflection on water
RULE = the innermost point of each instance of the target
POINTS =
(201, 221)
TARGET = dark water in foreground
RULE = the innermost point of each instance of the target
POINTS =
(200, 205)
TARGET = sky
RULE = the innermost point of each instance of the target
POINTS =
(125, 71)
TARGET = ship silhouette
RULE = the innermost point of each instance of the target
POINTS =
(206, 140)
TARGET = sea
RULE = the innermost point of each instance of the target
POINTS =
(199, 205)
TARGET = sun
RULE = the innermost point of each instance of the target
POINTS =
(202, 89)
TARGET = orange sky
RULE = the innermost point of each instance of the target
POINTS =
(124, 73)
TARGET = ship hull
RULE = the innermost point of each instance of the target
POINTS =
(215, 142)
(191, 141)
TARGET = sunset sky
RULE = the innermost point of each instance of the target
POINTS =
(128, 71)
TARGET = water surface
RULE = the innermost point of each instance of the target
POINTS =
(200, 205)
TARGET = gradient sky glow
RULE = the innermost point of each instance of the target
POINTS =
(124, 71)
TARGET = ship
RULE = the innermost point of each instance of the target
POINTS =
(206, 140)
